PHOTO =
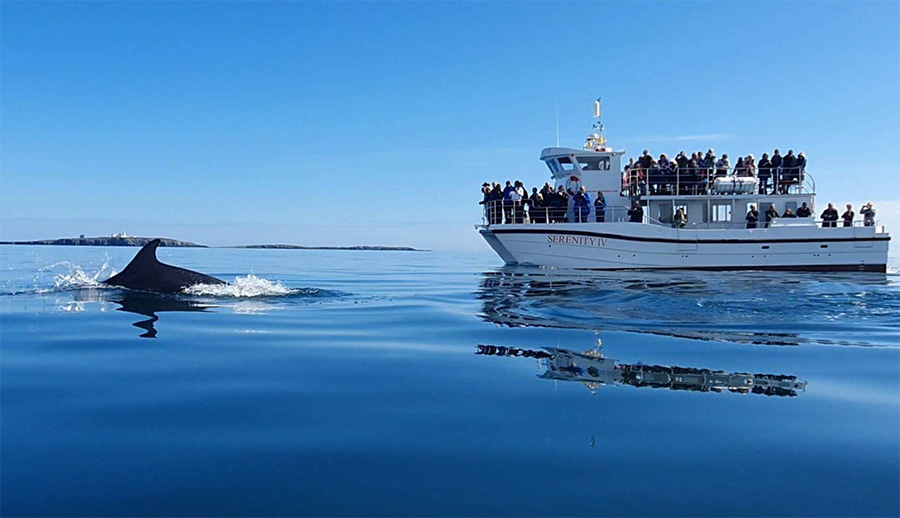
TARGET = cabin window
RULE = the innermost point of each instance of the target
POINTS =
(594, 163)
(566, 163)
(665, 214)
(554, 167)
(720, 212)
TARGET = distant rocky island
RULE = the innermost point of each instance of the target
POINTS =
(123, 240)
(114, 240)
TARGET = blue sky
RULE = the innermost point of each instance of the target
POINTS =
(376, 123)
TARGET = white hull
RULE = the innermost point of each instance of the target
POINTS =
(621, 245)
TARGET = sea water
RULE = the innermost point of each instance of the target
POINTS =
(418, 383)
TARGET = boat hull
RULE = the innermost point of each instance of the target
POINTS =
(626, 246)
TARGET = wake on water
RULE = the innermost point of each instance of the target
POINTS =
(67, 276)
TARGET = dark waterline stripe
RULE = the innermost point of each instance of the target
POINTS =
(679, 241)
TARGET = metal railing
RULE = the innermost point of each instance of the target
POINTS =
(516, 212)
(499, 212)
(657, 181)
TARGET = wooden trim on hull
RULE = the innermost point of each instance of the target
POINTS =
(679, 241)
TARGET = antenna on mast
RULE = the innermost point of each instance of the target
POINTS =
(595, 140)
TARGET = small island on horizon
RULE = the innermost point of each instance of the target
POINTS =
(124, 240)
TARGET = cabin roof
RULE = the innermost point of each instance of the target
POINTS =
(553, 152)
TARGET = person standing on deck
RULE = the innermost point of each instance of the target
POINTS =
(771, 214)
(507, 203)
(829, 217)
(600, 207)
(752, 217)
(582, 205)
(803, 211)
(636, 213)
(848, 216)
(777, 177)
(765, 173)
(868, 214)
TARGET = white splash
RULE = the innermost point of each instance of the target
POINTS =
(242, 287)
(74, 276)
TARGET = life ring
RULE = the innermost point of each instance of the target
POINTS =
(573, 184)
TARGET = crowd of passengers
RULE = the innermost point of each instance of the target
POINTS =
(513, 204)
(697, 174)
(829, 216)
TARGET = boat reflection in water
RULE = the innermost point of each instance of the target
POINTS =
(595, 370)
(764, 308)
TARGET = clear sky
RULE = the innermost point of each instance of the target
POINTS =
(376, 123)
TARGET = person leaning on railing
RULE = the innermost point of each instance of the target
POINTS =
(847, 216)
(636, 213)
(829, 217)
(804, 211)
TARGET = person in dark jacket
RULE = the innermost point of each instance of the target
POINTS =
(560, 204)
(495, 201)
(765, 173)
(804, 211)
(486, 201)
(582, 204)
(789, 166)
(848, 216)
(600, 207)
(801, 167)
(829, 217)
(752, 217)
(771, 214)
(536, 207)
(507, 202)
(777, 176)
(788, 213)
(636, 213)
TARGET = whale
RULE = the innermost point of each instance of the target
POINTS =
(146, 273)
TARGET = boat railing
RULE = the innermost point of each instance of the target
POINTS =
(518, 212)
(686, 181)
(512, 212)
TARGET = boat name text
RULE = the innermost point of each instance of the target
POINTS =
(576, 240)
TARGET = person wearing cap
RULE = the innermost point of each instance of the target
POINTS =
(868, 214)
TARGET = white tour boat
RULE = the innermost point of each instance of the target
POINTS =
(714, 236)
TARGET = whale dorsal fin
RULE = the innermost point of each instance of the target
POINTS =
(145, 257)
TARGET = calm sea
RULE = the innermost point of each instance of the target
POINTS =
(396, 383)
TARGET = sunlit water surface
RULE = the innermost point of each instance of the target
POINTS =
(389, 383)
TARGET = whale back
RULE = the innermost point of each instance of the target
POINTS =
(146, 273)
